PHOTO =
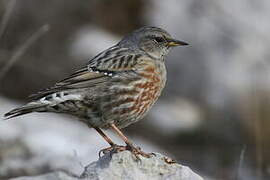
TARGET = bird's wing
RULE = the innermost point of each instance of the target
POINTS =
(115, 59)
(100, 70)
(82, 78)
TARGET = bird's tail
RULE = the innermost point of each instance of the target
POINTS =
(28, 108)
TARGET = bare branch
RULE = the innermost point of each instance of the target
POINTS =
(6, 16)
(21, 49)
(241, 161)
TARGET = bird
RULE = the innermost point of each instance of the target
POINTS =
(114, 89)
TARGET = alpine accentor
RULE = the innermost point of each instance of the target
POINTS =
(116, 88)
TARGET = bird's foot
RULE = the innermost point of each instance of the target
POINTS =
(136, 151)
(112, 149)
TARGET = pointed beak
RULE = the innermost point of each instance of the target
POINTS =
(174, 42)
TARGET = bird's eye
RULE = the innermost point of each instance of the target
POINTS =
(159, 39)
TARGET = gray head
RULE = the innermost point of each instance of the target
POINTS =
(154, 41)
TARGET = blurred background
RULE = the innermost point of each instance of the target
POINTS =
(213, 116)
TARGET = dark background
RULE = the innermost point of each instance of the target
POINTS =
(214, 114)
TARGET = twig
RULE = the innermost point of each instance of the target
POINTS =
(241, 160)
(6, 16)
(21, 49)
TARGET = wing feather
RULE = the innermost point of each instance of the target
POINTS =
(98, 71)
(80, 79)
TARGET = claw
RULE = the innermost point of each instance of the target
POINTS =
(104, 151)
(112, 149)
(137, 151)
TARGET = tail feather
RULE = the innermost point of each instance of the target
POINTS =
(28, 108)
(46, 103)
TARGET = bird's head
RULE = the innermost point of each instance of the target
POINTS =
(154, 41)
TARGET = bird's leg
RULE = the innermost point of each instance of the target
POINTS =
(129, 146)
(109, 140)
(113, 147)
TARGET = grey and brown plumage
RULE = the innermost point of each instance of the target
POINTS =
(116, 88)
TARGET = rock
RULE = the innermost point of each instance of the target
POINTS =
(124, 165)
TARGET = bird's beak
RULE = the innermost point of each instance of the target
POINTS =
(174, 42)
